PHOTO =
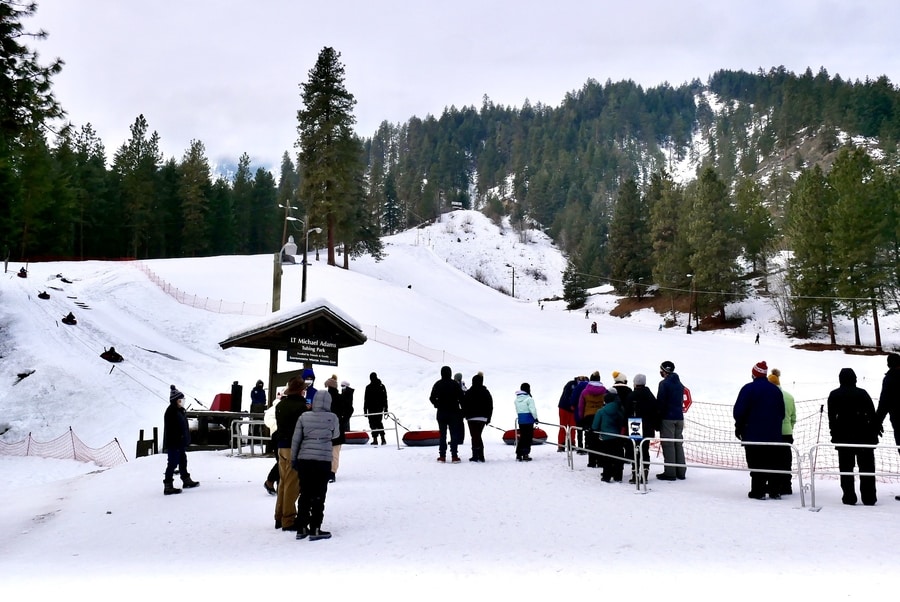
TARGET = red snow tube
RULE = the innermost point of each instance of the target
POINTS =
(422, 438)
(540, 436)
(356, 437)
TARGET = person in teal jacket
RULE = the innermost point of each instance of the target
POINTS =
(526, 415)
(609, 422)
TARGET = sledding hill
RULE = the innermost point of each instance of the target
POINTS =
(414, 298)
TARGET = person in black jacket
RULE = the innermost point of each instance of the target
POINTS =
(851, 418)
(641, 403)
(446, 396)
(478, 406)
(287, 412)
(342, 407)
(375, 406)
(176, 438)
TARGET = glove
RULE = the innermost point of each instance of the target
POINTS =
(385, 416)
(881, 430)
(295, 464)
(739, 434)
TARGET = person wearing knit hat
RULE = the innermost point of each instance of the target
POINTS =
(758, 418)
(670, 396)
(343, 409)
(176, 438)
(785, 455)
(642, 404)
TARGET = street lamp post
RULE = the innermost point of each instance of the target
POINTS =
(513, 268)
(305, 254)
(690, 302)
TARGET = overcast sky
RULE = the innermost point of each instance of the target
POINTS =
(227, 72)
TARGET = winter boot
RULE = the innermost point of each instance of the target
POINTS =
(383, 440)
(187, 482)
(316, 533)
(374, 439)
(454, 459)
(169, 488)
(302, 532)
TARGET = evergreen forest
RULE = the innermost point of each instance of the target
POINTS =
(787, 182)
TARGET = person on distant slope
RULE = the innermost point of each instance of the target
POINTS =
(446, 397)
(311, 455)
(852, 419)
(785, 455)
(176, 438)
(670, 396)
(478, 406)
(758, 416)
(375, 406)
(526, 414)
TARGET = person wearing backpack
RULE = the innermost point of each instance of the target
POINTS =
(608, 424)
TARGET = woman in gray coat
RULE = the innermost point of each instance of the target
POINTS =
(311, 455)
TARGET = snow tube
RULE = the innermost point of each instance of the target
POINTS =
(356, 437)
(422, 438)
(540, 436)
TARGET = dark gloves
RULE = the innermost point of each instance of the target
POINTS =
(738, 433)
(295, 464)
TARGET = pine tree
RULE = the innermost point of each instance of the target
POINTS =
(194, 195)
(137, 164)
(857, 225)
(574, 293)
(713, 246)
(242, 204)
(668, 239)
(811, 272)
(754, 223)
(629, 242)
(26, 104)
(330, 154)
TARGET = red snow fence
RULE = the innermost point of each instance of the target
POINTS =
(66, 447)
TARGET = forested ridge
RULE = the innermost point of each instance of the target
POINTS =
(699, 187)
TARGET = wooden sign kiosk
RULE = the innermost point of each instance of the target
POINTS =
(311, 333)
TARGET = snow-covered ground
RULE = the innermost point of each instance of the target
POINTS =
(403, 525)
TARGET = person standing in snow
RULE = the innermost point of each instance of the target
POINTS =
(287, 412)
(758, 416)
(342, 407)
(176, 438)
(642, 404)
(477, 405)
(311, 455)
(375, 406)
(609, 421)
(458, 378)
(785, 454)
(566, 406)
(590, 400)
(670, 396)
(852, 419)
(446, 397)
(889, 400)
(526, 415)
